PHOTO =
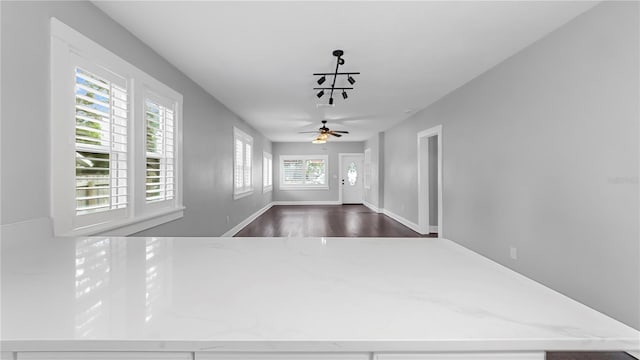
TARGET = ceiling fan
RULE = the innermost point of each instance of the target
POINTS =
(324, 132)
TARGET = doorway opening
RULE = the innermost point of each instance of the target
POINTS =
(430, 181)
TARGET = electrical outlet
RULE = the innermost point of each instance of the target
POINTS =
(513, 252)
(227, 219)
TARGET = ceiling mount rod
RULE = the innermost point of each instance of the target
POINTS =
(338, 54)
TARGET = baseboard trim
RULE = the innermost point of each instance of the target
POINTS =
(307, 202)
(433, 229)
(411, 225)
(234, 230)
(635, 354)
(371, 206)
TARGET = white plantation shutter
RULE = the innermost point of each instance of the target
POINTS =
(242, 163)
(293, 172)
(270, 174)
(247, 164)
(239, 165)
(100, 143)
(160, 151)
(303, 171)
(267, 172)
(265, 163)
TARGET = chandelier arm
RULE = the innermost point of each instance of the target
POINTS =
(337, 88)
(340, 73)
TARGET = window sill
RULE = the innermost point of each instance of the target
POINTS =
(237, 196)
(129, 226)
(267, 189)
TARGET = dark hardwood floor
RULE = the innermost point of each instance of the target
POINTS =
(325, 220)
(359, 221)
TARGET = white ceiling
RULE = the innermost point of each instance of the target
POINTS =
(258, 57)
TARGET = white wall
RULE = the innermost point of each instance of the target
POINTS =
(331, 149)
(541, 153)
(25, 122)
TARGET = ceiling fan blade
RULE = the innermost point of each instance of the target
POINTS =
(340, 131)
(334, 134)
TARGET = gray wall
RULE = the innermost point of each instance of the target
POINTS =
(375, 195)
(25, 121)
(331, 149)
(381, 169)
(372, 195)
(541, 153)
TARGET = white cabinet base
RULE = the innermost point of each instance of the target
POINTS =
(465, 356)
(281, 356)
(108, 355)
(539, 355)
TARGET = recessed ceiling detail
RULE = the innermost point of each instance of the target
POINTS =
(323, 77)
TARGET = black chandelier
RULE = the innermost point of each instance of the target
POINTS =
(323, 78)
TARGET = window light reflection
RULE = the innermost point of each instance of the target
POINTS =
(158, 267)
(92, 273)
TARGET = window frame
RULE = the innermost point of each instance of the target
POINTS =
(267, 172)
(246, 188)
(89, 218)
(163, 99)
(306, 186)
(70, 50)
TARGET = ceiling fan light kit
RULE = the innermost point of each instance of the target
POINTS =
(323, 133)
(323, 77)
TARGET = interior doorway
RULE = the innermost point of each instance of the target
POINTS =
(430, 181)
(351, 178)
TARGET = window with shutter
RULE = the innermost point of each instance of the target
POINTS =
(238, 166)
(113, 145)
(247, 166)
(303, 172)
(267, 172)
(160, 145)
(242, 164)
(100, 143)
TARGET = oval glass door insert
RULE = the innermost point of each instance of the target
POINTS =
(352, 173)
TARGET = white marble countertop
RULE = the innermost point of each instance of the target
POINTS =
(283, 294)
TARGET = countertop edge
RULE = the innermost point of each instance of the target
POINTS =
(324, 346)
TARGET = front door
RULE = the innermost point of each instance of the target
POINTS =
(351, 178)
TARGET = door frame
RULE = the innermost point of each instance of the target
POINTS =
(340, 177)
(423, 179)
